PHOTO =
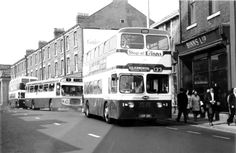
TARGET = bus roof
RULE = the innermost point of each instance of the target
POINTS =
(143, 30)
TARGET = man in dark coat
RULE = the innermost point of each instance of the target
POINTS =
(212, 105)
(182, 102)
(232, 106)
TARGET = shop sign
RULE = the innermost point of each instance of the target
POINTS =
(196, 42)
(200, 41)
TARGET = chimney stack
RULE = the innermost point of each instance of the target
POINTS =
(29, 51)
(81, 17)
(42, 43)
(58, 32)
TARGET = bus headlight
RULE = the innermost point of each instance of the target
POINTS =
(131, 105)
(159, 105)
(128, 104)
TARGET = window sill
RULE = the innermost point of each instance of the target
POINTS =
(213, 15)
(191, 26)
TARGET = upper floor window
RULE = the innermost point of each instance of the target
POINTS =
(67, 43)
(75, 38)
(55, 49)
(212, 7)
(48, 52)
(61, 45)
(68, 65)
(76, 62)
(191, 12)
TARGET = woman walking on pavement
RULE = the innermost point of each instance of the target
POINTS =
(189, 106)
(195, 104)
(232, 106)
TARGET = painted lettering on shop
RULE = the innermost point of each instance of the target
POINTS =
(196, 42)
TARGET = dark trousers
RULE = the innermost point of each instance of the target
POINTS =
(210, 113)
(231, 115)
(182, 111)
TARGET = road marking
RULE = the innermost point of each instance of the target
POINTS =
(57, 124)
(193, 132)
(172, 128)
(37, 118)
(221, 137)
(93, 135)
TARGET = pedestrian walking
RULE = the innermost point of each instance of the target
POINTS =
(232, 106)
(182, 102)
(216, 105)
(195, 105)
(189, 106)
(211, 99)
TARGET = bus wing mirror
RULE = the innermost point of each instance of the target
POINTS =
(114, 77)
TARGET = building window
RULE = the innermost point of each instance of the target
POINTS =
(35, 58)
(55, 49)
(61, 45)
(75, 38)
(49, 71)
(44, 73)
(76, 62)
(212, 7)
(67, 42)
(49, 52)
(191, 12)
(56, 67)
(62, 67)
(68, 65)
(43, 55)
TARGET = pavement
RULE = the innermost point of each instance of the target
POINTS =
(220, 125)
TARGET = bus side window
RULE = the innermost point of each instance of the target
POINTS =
(114, 83)
(45, 87)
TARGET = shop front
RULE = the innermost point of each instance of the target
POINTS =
(204, 63)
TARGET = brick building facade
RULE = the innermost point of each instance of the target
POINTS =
(204, 49)
(62, 56)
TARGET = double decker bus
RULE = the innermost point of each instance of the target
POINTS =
(129, 76)
(17, 90)
(54, 93)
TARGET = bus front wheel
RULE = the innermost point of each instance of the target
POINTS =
(107, 113)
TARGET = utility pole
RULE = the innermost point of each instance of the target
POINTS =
(233, 43)
(148, 15)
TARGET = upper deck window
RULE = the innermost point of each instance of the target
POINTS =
(155, 42)
(134, 41)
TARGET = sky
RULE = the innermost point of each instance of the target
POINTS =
(25, 22)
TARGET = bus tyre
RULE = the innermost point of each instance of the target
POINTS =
(86, 111)
(107, 113)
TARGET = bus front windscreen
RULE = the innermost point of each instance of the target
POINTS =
(157, 83)
(68, 90)
(156, 42)
(132, 41)
(131, 84)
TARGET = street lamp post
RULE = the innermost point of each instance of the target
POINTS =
(233, 43)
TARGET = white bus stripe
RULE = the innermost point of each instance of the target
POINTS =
(221, 137)
(93, 135)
